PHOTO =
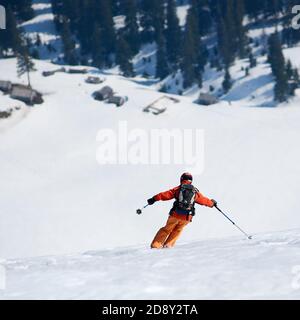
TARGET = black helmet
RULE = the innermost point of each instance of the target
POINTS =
(186, 176)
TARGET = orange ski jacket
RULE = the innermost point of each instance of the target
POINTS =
(174, 193)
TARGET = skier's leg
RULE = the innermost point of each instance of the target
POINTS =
(164, 232)
(175, 234)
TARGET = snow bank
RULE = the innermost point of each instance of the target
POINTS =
(266, 267)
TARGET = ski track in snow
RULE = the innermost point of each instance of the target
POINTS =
(233, 268)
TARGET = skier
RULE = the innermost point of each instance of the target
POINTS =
(182, 212)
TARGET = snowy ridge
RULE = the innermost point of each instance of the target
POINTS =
(254, 90)
(266, 267)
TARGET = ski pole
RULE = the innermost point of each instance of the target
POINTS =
(139, 211)
(248, 236)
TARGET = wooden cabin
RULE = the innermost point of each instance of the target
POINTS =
(5, 86)
(103, 94)
(26, 94)
(118, 100)
(207, 99)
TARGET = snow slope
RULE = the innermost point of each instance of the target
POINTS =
(56, 198)
(267, 267)
(42, 24)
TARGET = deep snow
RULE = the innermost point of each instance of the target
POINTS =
(267, 267)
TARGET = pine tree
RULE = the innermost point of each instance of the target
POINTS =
(230, 22)
(158, 18)
(289, 69)
(227, 84)
(194, 55)
(131, 31)
(173, 34)
(86, 27)
(68, 43)
(146, 20)
(71, 9)
(10, 38)
(162, 69)
(152, 20)
(281, 90)
(189, 59)
(21, 8)
(253, 8)
(232, 40)
(252, 60)
(116, 6)
(105, 20)
(240, 29)
(38, 40)
(276, 59)
(272, 8)
(293, 78)
(223, 42)
(205, 13)
(97, 47)
(247, 72)
(35, 54)
(25, 63)
(24, 9)
(123, 57)
(296, 77)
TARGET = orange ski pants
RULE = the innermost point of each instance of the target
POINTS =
(167, 235)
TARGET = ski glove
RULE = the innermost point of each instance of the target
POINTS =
(215, 203)
(151, 201)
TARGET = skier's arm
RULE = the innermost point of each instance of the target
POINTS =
(163, 196)
(166, 195)
(200, 199)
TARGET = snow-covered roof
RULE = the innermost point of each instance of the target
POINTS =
(5, 85)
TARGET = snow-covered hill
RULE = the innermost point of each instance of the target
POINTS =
(42, 26)
(267, 267)
(56, 198)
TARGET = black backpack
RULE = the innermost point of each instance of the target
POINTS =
(186, 199)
